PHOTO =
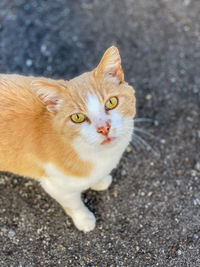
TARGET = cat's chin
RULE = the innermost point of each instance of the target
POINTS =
(108, 140)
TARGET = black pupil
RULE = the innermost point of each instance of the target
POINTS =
(110, 102)
(77, 116)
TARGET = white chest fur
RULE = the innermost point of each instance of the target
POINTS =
(67, 189)
(103, 161)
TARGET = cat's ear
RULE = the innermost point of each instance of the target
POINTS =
(110, 66)
(49, 93)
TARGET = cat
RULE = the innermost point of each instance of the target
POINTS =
(68, 135)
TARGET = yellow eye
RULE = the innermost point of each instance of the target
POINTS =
(111, 103)
(78, 117)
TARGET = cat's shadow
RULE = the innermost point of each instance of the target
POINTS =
(27, 194)
(28, 197)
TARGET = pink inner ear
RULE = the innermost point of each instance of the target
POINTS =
(112, 73)
(117, 73)
(110, 66)
(50, 101)
(49, 93)
(52, 108)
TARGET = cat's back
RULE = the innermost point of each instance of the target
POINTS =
(14, 88)
(16, 98)
(17, 106)
(13, 82)
(19, 109)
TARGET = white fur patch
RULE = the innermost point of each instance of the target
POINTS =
(96, 112)
(67, 189)
(98, 118)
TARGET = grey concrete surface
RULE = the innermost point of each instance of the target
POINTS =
(150, 216)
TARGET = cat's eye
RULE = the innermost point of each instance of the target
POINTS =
(111, 103)
(78, 117)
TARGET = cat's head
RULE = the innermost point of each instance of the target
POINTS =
(96, 108)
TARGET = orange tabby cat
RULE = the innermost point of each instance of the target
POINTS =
(69, 135)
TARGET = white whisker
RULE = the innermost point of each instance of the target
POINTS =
(146, 145)
(143, 120)
(137, 143)
(146, 132)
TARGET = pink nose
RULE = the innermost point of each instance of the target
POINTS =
(104, 130)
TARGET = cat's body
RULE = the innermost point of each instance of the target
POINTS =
(42, 137)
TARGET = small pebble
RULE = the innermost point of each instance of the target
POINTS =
(44, 50)
(179, 172)
(49, 68)
(123, 172)
(195, 90)
(29, 62)
(197, 166)
(137, 248)
(183, 72)
(179, 252)
(186, 2)
(128, 149)
(115, 193)
(148, 97)
(184, 231)
(193, 173)
(26, 7)
(156, 123)
(190, 247)
(11, 233)
(173, 80)
(75, 38)
(150, 193)
(143, 194)
(196, 201)
(186, 28)
(3, 229)
(189, 119)
(195, 236)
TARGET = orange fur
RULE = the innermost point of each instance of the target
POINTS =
(28, 137)
(39, 139)
(31, 135)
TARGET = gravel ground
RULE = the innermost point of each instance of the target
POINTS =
(151, 214)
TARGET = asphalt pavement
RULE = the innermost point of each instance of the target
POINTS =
(150, 216)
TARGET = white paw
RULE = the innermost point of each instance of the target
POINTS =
(84, 220)
(103, 184)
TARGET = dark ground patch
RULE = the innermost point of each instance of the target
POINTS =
(151, 214)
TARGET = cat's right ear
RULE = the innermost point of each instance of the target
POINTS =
(110, 68)
(49, 93)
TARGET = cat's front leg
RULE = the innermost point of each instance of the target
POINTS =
(103, 184)
(83, 219)
(80, 214)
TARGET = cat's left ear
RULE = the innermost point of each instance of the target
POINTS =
(49, 93)
(110, 67)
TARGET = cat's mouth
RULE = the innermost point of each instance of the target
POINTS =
(108, 140)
